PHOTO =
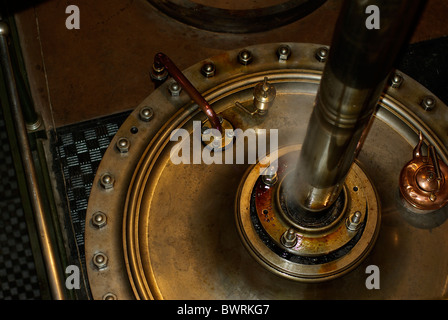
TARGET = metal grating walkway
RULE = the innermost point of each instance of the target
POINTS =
(18, 275)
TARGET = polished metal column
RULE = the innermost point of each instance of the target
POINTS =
(49, 251)
(361, 57)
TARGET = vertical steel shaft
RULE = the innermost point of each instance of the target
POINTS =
(360, 60)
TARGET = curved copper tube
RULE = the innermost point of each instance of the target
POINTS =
(161, 60)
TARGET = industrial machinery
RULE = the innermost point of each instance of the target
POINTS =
(196, 230)
(278, 170)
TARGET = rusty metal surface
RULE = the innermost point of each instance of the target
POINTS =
(103, 68)
(325, 248)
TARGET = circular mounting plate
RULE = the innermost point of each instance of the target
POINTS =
(171, 231)
(320, 254)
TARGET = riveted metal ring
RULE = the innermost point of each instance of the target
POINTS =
(134, 271)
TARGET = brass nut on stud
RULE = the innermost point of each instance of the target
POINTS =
(353, 221)
(99, 219)
(283, 53)
(100, 260)
(107, 181)
(146, 114)
(245, 57)
(428, 103)
(109, 296)
(208, 70)
(289, 238)
(396, 80)
(175, 89)
(158, 73)
(322, 54)
(123, 145)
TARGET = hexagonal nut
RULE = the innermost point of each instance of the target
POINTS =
(158, 73)
(100, 260)
(354, 221)
(123, 145)
(99, 219)
(208, 70)
(146, 114)
(396, 80)
(175, 89)
(245, 57)
(322, 54)
(109, 296)
(289, 238)
(283, 52)
(107, 181)
(428, 103)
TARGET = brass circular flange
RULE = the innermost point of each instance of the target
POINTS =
(319, 253)
(170, 231)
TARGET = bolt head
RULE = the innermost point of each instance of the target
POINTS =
(146, 114)
(107, 181)
(396, 80)
(99, 219)
(174, 89)
(123, 145)
(289, 238)
(283, 53)
(428, 103)
(245, 57)
(322, 54)
(109, 296)
(208, 70)
(354, 221)
(100, 260)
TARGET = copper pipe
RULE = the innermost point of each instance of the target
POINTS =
(162, 61)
